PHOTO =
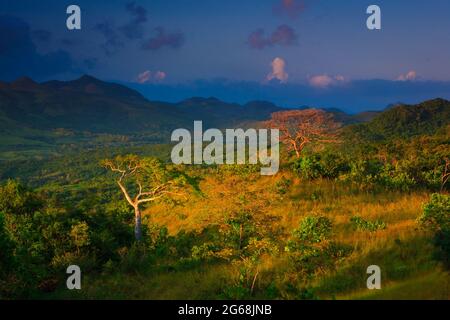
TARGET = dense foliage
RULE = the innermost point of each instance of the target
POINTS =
(307, 233)
(436, 217)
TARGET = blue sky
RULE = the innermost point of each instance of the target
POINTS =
(314, 51)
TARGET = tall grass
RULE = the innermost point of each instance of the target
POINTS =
(401, 249)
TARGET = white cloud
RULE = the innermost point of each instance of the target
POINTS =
(410, 76)
(149, 76)
(144, 76)
(160, 75)
(324, 80)
(278, 70)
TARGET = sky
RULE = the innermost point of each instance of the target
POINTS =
(290, 52)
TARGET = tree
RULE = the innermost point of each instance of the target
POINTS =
(148, 178)
(436, 218)
(301, 127)
(16, 199)
(80, 235)
(445, 174)
(311, 248)
(6, 249)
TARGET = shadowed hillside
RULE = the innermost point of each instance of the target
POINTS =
(39, 117)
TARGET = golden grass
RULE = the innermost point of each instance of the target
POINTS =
(434, 285)
(403, 250)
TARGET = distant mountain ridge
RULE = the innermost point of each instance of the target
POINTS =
(36, 114)
(88, 110)
(93, 105)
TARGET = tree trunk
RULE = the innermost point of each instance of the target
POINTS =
(137, 224)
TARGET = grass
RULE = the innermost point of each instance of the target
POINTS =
(432, 285)
(203, 283)
(402, 250)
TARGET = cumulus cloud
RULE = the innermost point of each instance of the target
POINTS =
(164, 39)
(278, 71)
(133, 29)
(291, 8)
(149, 76)
(19, 56)
(324, 80)
(283, 35)
(410, 76)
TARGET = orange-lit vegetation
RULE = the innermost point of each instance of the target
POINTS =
(309, 232)
(299, 128)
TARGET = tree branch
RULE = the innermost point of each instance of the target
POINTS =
(127, 196)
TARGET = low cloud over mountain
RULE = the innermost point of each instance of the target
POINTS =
(327, 91)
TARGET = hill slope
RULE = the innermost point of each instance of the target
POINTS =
(93, 112)
(405, 121)
(88, 104)
(88, 111)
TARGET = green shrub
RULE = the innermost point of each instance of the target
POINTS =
(436, 218)
(329, 165)
(361, 224)
(334, 164)
(313, 229)
(205, 251)
(6, 249)
(364, 172)
(308, 167)
(310, 248)
(17, 199)
(397, 177)
(282, 186)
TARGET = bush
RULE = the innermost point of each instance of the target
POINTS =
(282, 186)
(436, 218)
(397, 177)
(310, 248)
(333, 165)
(17, 199)
(6, 249)
(38, 241)
(364, 172)
(313, 229)
(361, 224)
(327, 165)
(308, 167)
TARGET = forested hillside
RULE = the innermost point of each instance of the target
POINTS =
(350, 197)
(44, 119)
(405, 121)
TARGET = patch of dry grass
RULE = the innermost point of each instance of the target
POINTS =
(402, 250)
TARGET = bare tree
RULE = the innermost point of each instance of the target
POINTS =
(301, 127)
(445, 174)
(148, 178)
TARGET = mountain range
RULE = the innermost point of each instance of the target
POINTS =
(40, 115)
(88, 104)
